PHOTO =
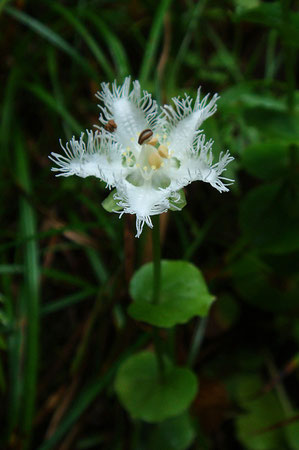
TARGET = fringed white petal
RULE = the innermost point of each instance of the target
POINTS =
(185, 119)
(199, 165)
(143, 201)
(132, 111)
(147, 179)
(95, 155)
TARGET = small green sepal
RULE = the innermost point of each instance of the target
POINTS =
(180, 204)
(110, 204)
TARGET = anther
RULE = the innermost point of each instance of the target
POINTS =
(110, 126)
(154, 160)
(144, 136)
(163, 151)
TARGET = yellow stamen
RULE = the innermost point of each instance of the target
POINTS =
(153, 167)
(163, 151)
(144, 167)
(155, 160)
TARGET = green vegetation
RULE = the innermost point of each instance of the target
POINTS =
(71, 285)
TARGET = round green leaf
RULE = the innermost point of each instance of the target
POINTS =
(147, 396)
(183, 294)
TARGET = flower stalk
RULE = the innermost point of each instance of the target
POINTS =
(156, 259)
(156, 243)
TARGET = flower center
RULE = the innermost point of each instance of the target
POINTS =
(148, 162)
(152, 155)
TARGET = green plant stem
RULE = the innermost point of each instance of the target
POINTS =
(156, 259)
(156, 290)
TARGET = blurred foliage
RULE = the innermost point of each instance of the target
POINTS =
(65, 263)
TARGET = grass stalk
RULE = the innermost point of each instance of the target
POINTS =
(31, 294)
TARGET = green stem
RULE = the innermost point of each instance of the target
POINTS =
(156, 260)
(156, 290)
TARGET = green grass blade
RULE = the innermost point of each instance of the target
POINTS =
(97, 264)
(60, 276)
(90, 41)
(115, 46)
(44, 234)
(153, 41)
(54, 104)
(227, 58)
(52, 37)
(195, 13)
(11, 268)
(87, 396)
(8, 111)
(31, 292)
(101, 215)
(15, 343)
(58, 91)
(67, 301)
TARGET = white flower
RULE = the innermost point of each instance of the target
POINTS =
(146, 154)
